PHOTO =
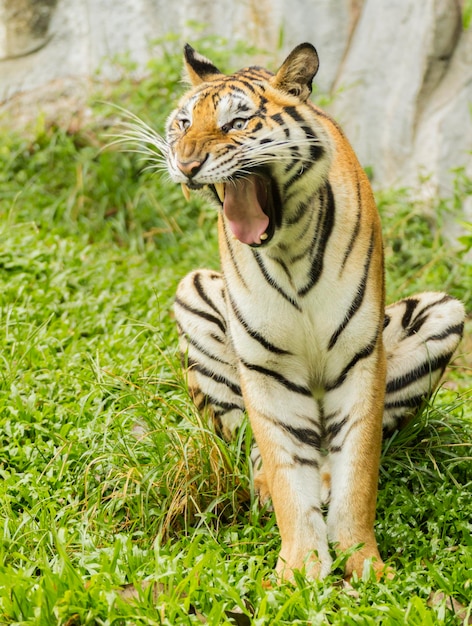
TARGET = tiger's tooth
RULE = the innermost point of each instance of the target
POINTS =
(220, 190)
(264, 236)
(185, 191)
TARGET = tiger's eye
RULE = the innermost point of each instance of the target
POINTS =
(238, 123)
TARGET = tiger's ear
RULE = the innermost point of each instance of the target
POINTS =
(297, 72)
(199, 69)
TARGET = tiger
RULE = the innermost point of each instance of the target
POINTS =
(293, 331)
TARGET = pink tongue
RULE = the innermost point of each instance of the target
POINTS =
(243, 211)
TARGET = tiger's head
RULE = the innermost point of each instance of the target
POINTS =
(249, 137)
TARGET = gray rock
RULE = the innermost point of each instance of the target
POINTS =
(400, 73)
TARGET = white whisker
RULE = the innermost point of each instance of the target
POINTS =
(136, 136)
(269, 148)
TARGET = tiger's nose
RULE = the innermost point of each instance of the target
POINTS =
(191, 168)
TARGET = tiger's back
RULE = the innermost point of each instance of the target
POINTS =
(291, 329)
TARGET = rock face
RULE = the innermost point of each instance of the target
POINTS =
(405, 84)
(400, 72)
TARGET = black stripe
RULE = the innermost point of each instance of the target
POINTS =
(246, 83)
(296, 176)
(232, 256)
(320, 212)
(285, 382)
(277, 117)
(422, 317)
(307, 436)
(203, 314)
(271, 282)
(284, 267)
(316, 509)
(234, 88)
(335, 428)
(428, 367)
(442, 300)
(300, 212)
(303, 166)
(407, 403)
(308, 462)
(294, 114)
(359, 297)
(330, 416)
(219, 414)
(416, 325)
(254, 334)
(203, 295)
(219, 378)
(356, 230)
(296, 155)
(242, 108)
(227, 158)
(217, 338)
(202, 404)
(225, 406)
(362, 354)
(316, 150)
(307, 251)
(326, 230)
(410, 306)
(458, 329)
(353, 423)
(255, 72)
(215, 99)
(198, 346)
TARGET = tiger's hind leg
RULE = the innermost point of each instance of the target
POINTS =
(209, 359)
(420, 336)
(206, 349)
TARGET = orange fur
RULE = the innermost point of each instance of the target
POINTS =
(295, 320)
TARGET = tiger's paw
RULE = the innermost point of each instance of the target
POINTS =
(361, 567)
(310, 565)
(385, 573)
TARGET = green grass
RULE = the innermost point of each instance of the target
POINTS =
(91, 250)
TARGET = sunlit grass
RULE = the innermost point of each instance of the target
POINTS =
(109, 476)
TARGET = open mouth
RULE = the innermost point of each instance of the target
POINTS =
(251, 206)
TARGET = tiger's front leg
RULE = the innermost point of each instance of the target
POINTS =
(353, 407)
(286, 422)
